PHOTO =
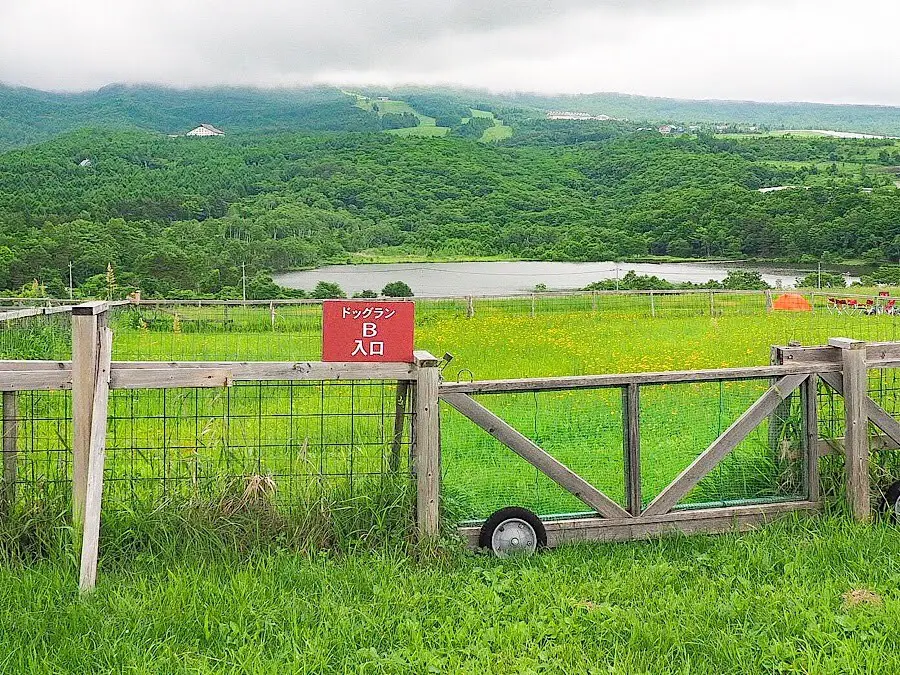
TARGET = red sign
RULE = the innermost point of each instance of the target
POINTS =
(367, 330)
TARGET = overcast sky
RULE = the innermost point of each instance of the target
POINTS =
(810, 50)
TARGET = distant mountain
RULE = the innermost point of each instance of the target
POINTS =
(860, 118)
(30, 115)
(872, 119)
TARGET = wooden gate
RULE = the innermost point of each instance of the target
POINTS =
(842, 365)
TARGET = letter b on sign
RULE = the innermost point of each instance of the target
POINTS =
(369, 330)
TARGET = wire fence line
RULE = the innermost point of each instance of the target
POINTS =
(294, 441)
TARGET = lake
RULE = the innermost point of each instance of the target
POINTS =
(500, 278)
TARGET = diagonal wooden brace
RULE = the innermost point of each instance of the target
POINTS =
(536, 456)
(724, 444)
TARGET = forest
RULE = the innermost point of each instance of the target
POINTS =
(181, 216)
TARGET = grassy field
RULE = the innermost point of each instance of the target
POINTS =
(565, 336)
(818, 596)
(227, 583)
(426, 124)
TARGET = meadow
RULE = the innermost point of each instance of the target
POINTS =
(328, 581)
(277, 429)
(814, 596)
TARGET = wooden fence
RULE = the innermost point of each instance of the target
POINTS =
(842, 366)
(91, 374)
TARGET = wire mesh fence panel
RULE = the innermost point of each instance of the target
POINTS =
(296, 438)
(863, 317)
(680, 421)
(43, 336)
(563, 329)
(296, 441)
(582, 429)
(429, 309)
(37, 449)
(884, 389)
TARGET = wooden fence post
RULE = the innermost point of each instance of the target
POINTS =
(652, 305)
(631, 410)
(10, 447)
(856, 434)
(90, 539)
(470, 307)
(810, 402)
(768, 300)
(87, 321)
(712, 304)
(427, 445)
(532, 305)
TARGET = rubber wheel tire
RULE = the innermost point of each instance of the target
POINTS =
(497, 517)
(892, 501)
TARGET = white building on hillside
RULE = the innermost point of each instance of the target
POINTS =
(206, 130)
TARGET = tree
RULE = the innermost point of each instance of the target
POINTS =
(397, 289)
(740, 280)
(261, 287)
(828, 280)
(328, 289)
(679, 248)
(366, 293)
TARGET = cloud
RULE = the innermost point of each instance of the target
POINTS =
(821, 50)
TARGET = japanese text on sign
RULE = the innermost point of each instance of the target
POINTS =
(361, 330)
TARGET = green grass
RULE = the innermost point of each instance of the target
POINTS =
(770, 601)
(503, 339)
(426, 126)
(213, 577)
(498, 132)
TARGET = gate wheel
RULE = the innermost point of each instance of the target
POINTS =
(512, 530)
(892, 501)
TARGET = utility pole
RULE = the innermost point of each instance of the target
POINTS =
(70, 280)
(244, 280)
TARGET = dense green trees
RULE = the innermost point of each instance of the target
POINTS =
(735, 280)
(822, 280)
(182, 215)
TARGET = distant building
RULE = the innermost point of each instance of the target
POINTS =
(206, 130)
(582, 116)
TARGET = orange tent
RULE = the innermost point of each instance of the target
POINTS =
(792, 302)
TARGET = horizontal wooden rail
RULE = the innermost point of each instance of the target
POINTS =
(621, 380)
(12, 314)
(684, 521)
(878, 355)
(168, 378)
(51, 375)
(286, 370)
